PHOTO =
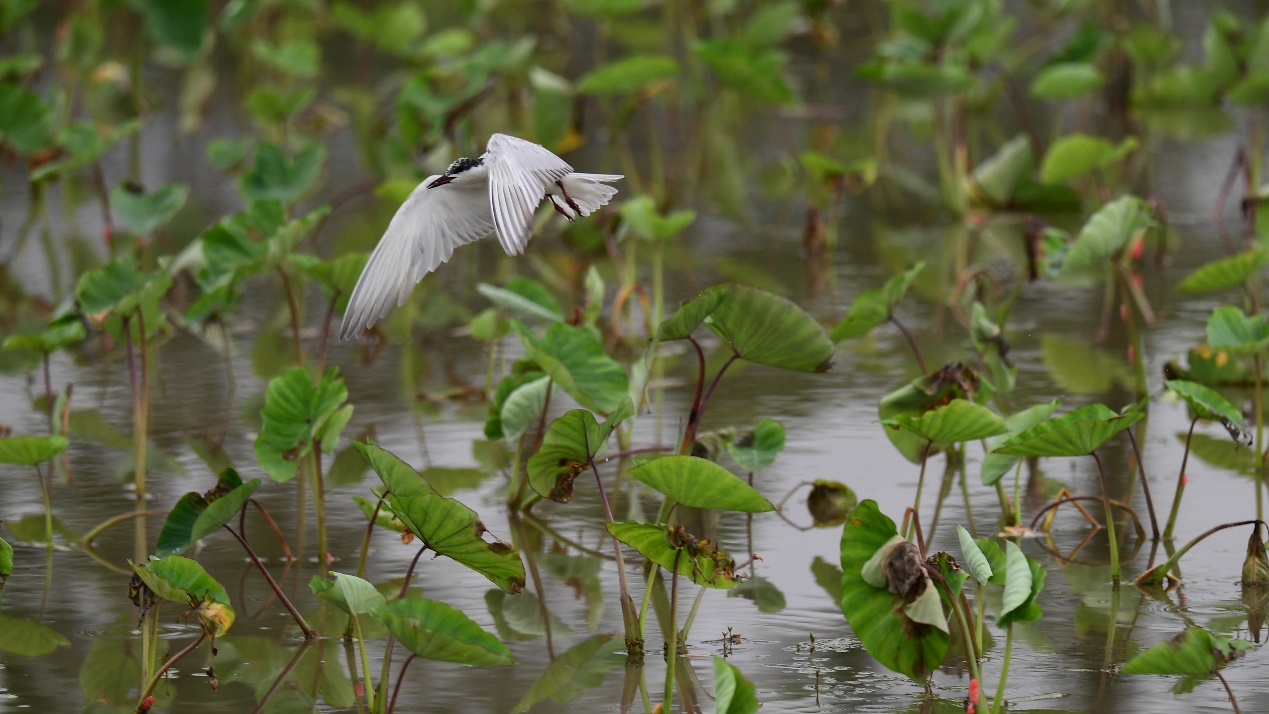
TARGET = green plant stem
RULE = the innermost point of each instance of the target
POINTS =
(365, 664)
(685, 444)
(1015, 514)
(691, 615)
(1110, 520)
(1161, 571)
(392, 640)
(1004, 673)
(653, 573)
(516, 490)
(299, 619)
(1258, 398)
(88, 538)
(672, 656)
(1180, 483)
(319, 504)
(916, 505)
(978, 629)
(158, 675)
(295, 316)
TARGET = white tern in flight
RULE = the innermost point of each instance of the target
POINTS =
(499, 192)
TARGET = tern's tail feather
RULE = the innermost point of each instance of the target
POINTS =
(589, 191)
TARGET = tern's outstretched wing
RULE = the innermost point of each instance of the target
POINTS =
(519, 174)
(422, 235)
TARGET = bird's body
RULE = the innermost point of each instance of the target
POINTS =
(498, 192)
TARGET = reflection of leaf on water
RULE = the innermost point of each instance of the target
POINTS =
(577, 670)
(111, 670)
(763, 592)
(829, 577)
(580, 572)
(28, 638)
(1221, 452)
(30, 529)
(1081, 370)
(519, 617)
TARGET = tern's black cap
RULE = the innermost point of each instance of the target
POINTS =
(461, 165)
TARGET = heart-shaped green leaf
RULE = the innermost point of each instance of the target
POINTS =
(577, 362)
(1229, 328)
(296, 413)
(957, 421)
(196, 515)
(353, 595)
(995, 465)
(1076, 433)
(143, 213)
(454, 530)
(437, 631)
(872, 308)
(1205, 403)
(1225, 273)
(1106, 233)
(632, 73)
(693, 481)
(570, 443)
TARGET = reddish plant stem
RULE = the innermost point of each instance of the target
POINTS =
(1145, 487)
(299, 619)
(392, 706)
(158, 675)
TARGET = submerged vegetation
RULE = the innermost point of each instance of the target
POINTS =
(198, 185)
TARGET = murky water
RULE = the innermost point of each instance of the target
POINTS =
(802, 657)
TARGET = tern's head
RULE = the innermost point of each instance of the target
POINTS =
(456, 169)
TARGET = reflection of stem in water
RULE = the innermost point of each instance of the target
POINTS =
(48, 580)
(1180, 483)
(158, 675)
(350, 660)
(672, 642)
(1110, 520)
(1004, 672)
(286, 672)
(319, 503)
(1260, 454)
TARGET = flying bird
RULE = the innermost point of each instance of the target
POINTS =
(498, 192)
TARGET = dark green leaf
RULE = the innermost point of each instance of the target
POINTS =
(143, 213)
(995, 466)
(570, 443)
(829, 502)
(452, 529)
(61, 332)
(1205, 403)
(767, 329)
(275, 176)
(690, 315)
(955, 422)
(25, 120)
(1225, 273)
(582, 667)
(693, 481)
(1194, 652)
(755, 74)
(1229, 328)
(399, 478)
(1076, 433)
(296, 413)
(574, 358)
(179, 24)
(196, 516)
(437, 631)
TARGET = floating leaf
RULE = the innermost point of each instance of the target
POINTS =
(31, 450)
(298, 414)
(1225, 273)
(577, 362)
(1076, 433)
(757, 450)
(872, 308)
(733, 693)
(196, 516)
(437, 631)
(697, 482)
(633, 73)
(674, 549)
(353, 595)
(1229, 328)
(955, 422)
(570, 443)
(1194, 652)
(973, 557)
(454, 530)
(1106, 233)
(887, 632)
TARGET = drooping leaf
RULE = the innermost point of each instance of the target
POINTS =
(582, 667)
(452, 529)
(973, 557)
(693, 481)
(1205, 403)
(733, 693)
(1106, 233)
(570, 442)
(1255, 564)
(1194, 652)
(1229, 328)
(1225, 273)
(353, 595)
(676, 550)
(905, 646)
(31, 450)
(1076, 433)
(1019, 603)
(434, 630)
(829, 502)
(757, 450)
(296, 414)
(955, 422)
(872, 308)
(577, 362)
(632, 73)
(179, 579)
(143, 213)
(196, 516)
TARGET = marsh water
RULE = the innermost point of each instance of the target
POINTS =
(797, 648)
